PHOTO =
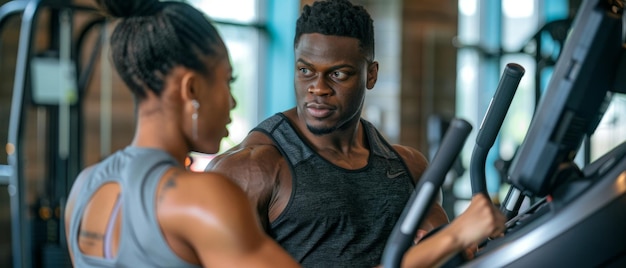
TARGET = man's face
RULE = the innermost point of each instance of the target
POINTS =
(332, 75)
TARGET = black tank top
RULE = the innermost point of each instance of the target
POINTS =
(338, 217)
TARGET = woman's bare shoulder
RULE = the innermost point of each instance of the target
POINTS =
(207, 202)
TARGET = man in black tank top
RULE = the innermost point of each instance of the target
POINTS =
(328, 187)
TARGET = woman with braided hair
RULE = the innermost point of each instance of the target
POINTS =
(140, 207)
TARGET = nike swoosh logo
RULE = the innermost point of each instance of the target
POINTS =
(394, 174)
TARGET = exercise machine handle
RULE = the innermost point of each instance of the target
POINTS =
(421, 199)
(490, 126)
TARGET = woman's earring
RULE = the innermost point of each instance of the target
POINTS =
(194, 119)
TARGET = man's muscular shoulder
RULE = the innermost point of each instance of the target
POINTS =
(258, 167)
(255, 162)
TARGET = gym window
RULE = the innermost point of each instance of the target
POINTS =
(252, 36)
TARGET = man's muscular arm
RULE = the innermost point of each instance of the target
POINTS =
(254, 168)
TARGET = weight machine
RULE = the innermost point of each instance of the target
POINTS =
(52, 80)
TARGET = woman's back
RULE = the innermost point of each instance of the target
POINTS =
(113, 222)
(167, 217)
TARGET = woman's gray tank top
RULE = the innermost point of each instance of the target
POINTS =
(141, 243)
(338, 217)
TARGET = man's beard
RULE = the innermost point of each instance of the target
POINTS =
(318, 131)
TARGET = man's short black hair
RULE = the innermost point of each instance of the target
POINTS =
(338, 18)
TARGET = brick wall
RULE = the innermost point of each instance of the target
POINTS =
(428, 66)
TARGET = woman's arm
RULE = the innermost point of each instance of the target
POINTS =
(211, 214)
(480, 221)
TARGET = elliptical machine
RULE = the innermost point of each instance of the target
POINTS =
(579, 218)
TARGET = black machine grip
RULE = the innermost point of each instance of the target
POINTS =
(490, 126)
(426, 190)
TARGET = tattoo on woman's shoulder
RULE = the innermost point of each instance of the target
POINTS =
(170, 182)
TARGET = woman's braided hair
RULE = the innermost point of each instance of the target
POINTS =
(153, 37)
